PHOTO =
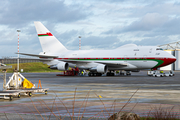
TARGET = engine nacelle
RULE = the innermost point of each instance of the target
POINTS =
(62, 66)
(102, 68)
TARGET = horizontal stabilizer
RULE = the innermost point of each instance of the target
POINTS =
(35, 55)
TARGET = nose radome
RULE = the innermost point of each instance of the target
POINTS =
(170, 60)
(174, 59)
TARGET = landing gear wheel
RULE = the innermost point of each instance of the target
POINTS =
(45, 92)
(10, 97)
(110, 74)
(94, 74)
(128, 73)
(30, 94)
(90, 74)
(99, 74)
(19, 95)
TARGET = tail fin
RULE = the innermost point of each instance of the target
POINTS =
(49, 43)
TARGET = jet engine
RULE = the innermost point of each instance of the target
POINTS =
(100, 68)
(62, 66)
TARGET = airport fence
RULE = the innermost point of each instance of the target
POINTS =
(13, 60)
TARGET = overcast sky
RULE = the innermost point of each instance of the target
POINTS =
(103, 24)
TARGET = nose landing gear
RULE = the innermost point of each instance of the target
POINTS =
(110, 73)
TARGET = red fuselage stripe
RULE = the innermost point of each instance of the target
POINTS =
(141, 58)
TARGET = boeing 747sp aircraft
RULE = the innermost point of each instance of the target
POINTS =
(129, 57)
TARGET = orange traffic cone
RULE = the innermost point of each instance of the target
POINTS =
(39, 84)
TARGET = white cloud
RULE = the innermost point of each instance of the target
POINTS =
(102, 24)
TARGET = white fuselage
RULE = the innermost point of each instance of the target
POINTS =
(136, 57)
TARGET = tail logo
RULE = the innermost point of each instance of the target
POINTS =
(47, 34)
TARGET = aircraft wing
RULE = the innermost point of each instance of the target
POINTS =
(113, 63)
(75, 61)
(41, 56)
(108, 63)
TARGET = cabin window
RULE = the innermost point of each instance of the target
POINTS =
(157, 53)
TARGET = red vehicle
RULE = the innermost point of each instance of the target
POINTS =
(72, 72)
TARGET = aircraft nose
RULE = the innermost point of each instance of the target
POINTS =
(170, 60)
(173, 58)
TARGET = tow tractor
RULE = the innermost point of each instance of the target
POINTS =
(157, 73)
(170, 74)
(150, 73)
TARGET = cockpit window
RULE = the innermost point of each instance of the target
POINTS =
(159, 49)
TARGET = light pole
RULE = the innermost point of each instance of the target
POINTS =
(18, 51)
(79, 42)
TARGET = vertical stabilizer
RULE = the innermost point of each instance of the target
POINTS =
(49, 43)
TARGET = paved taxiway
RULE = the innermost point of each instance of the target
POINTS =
(152, 91)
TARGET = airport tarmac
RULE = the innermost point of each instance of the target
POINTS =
(107, 94)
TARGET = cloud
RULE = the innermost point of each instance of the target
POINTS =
(148, 22)
(20, 13)
(169, 28)
(172, 27)
(103, 24)
(155, 41)
(67, 37)
(96, 42)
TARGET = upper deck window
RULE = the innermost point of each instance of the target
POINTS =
(159, 49)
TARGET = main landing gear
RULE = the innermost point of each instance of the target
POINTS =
(110, 73)
(128, 72)
(94, 74)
